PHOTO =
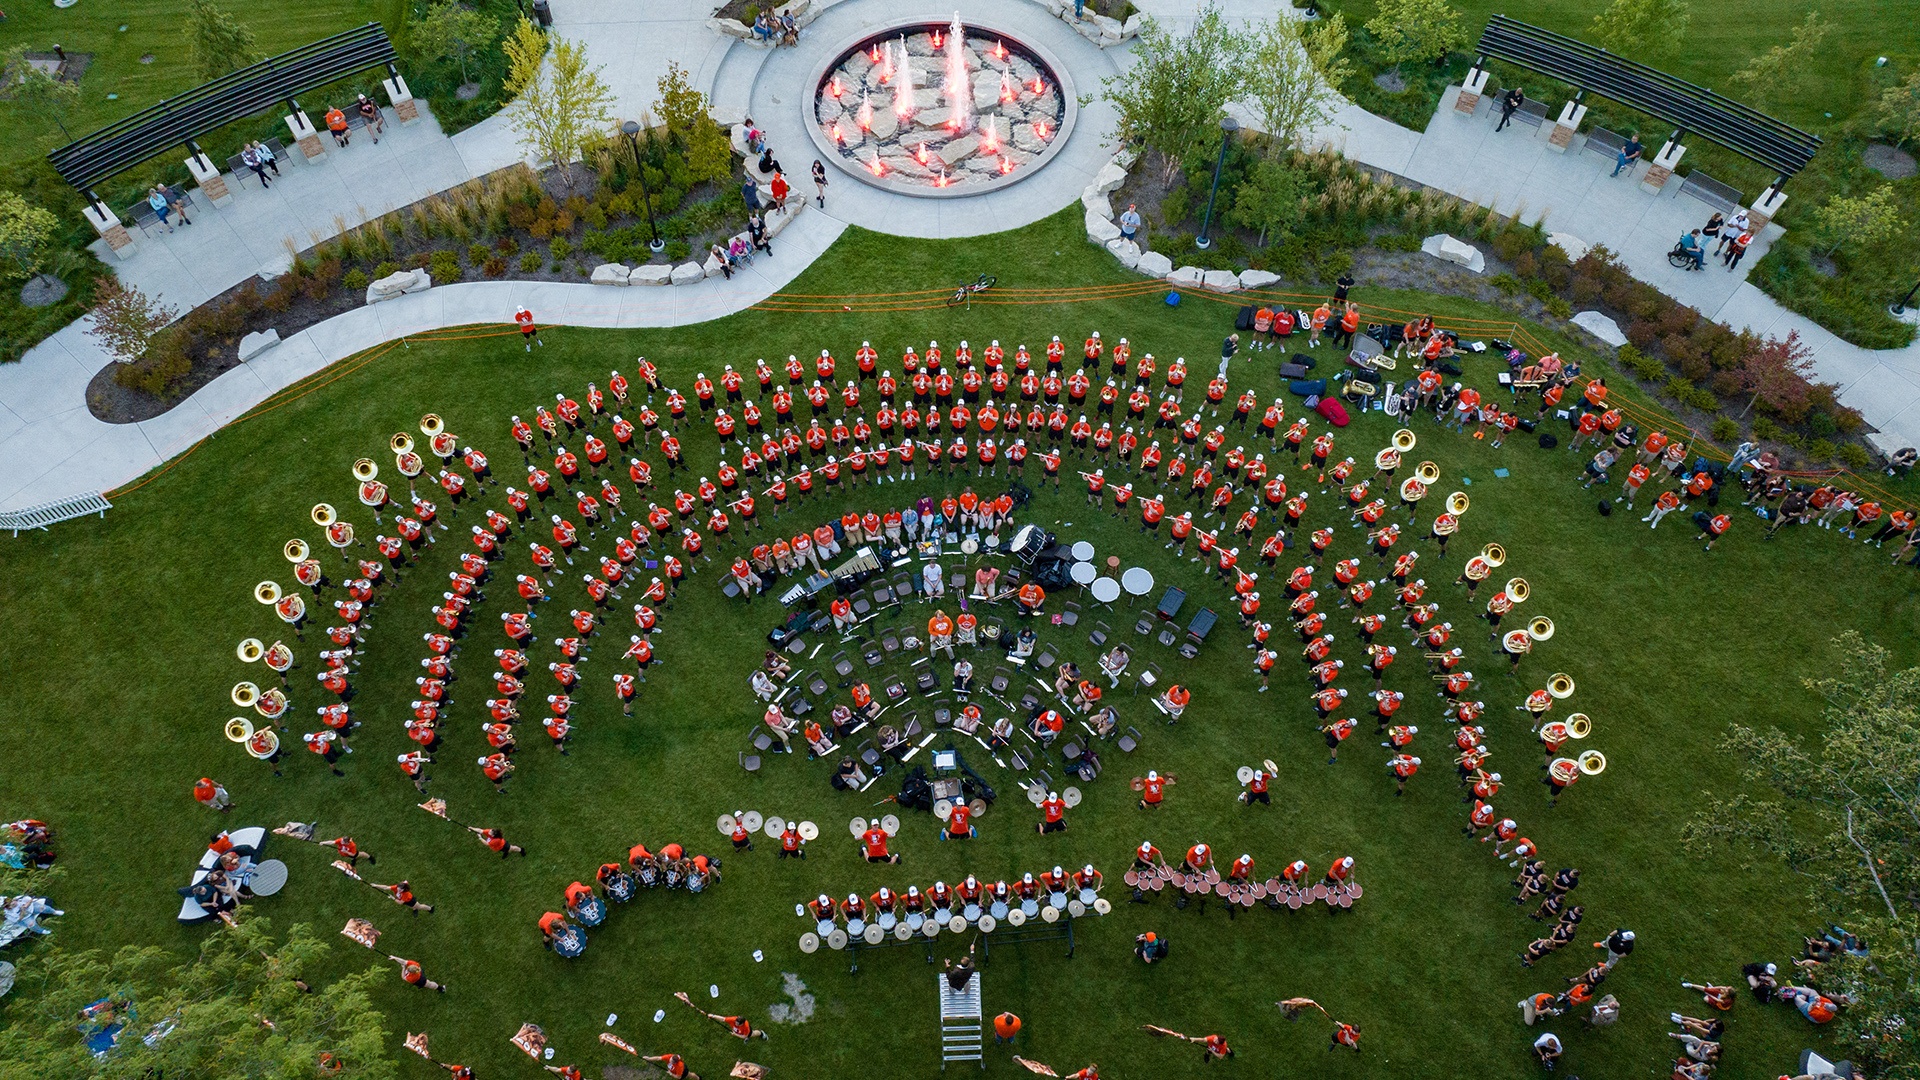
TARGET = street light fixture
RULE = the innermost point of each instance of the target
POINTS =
(1228, 125)
(1900, 309)
(631, 129)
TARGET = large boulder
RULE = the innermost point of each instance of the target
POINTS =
(1459, 252)
(714, 266)
(1126, 251)
(1101, 229)
(398, 284)
(1601, 327)
(1575, 247)
(650, 274)
(687, 274)
(609, 274)
(1095, 201)
(1220, 281)
(1188, 276)
(256, 343)
(1109, 178)
(1155, 264)
(732, 28)
(1258, 279)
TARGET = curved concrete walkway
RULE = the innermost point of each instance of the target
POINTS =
(51, 447)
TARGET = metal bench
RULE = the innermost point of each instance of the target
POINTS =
(41, 515)
(1530, 111)
(1605, 143)
(238, 166)
(1721, 197)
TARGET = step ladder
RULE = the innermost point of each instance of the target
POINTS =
(961, 1030)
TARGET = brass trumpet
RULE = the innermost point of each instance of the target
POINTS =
(1404, 440)
(1560, 685)
(365, 469)
(324, 514)
(1540, 629)
(250, 650)
(402, 443)
(267, 592)
(1517, 589)
(245, 694)
(239, 729)
(1593, 763)
(431, 425)
(1457, 503)
(295, 551)
(1495, 555)
(1427, 473)
(1579, 726)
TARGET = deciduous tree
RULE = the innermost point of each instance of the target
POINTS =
(36, 90)
(220, 45)
(684, 110)
(1781, 70)
(1862, 222)
(1845, 813)
(1775, 371)
(1417, 30)
(1642, 27)
(1270, 200)
(1899, 110)
(560, 106)
(26, 231)
(126, 319)
(1173, 97)
(453, 29)
(1294, 72)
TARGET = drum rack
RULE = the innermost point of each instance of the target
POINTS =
(1028, 935)
(854, 945)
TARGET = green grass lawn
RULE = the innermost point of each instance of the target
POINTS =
(120, 656)
(119, 34)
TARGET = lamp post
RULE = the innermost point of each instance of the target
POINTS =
(1900, 308)
(631, 129)
(1228, 126)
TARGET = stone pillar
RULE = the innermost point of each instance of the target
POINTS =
(404, 108)
(107, 224)
(1562, 135)
(211, 183)
(1766, 208)
(1471, 91)
(1661, 170)
(305, 137)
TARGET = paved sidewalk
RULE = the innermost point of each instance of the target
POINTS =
(53, 447)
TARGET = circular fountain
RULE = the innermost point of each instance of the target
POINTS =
(940, 111)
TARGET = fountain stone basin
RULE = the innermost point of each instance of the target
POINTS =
(919, 109)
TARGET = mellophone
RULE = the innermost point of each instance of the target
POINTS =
(985, 915)
(1274, 891)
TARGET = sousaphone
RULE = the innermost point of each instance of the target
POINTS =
(1593, 763)
(267, 592)
(401, 443)
(245, 694)
(1560, 685)
(1404, 440)
(365, 469)
(1457, 503)
(1540, 629)
(250, 651)
(1427, 473)
(323, 514)
(1517, 589)
(1579, 726)
(431, 425)
(239, 729)
(1495, 555)
(295, 551)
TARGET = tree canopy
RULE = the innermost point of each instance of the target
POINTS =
(1172, 99)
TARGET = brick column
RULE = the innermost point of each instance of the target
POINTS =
(1766, 208)
(404, 108)
(1563, 129)
(1471, 91)
(107, 224)
(305, 137)
(1662, 168)
(211, 183)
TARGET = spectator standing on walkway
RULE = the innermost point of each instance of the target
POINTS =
(1740, 223)
(1629, 154)
(1737, 250)
(820, 182)
(1510, 103)
(1130, 223)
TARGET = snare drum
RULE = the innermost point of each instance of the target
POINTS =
(941, 915)
(824, 927)
(1030, 907)
(885, 921)
(997, 910)
(971, 912)
(1086, 897)
(856, 927)
(1057, 900)
(915, 921)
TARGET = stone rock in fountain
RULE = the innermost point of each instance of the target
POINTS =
(856, 66)
(906, 166)
(986, 91)
(1024, 138)
(920, 45)
(885, 124)
(959, 149)
(829, 109)
(933, 118)
(914, 139)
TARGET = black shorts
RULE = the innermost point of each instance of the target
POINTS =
(1260, 796)
(1054, 826)
(796, 853)
(1333, 743)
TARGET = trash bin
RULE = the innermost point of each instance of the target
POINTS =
(543, 13)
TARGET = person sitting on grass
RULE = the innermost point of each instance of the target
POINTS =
(1150, 947)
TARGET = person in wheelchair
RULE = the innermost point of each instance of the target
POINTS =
(1691, 249)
